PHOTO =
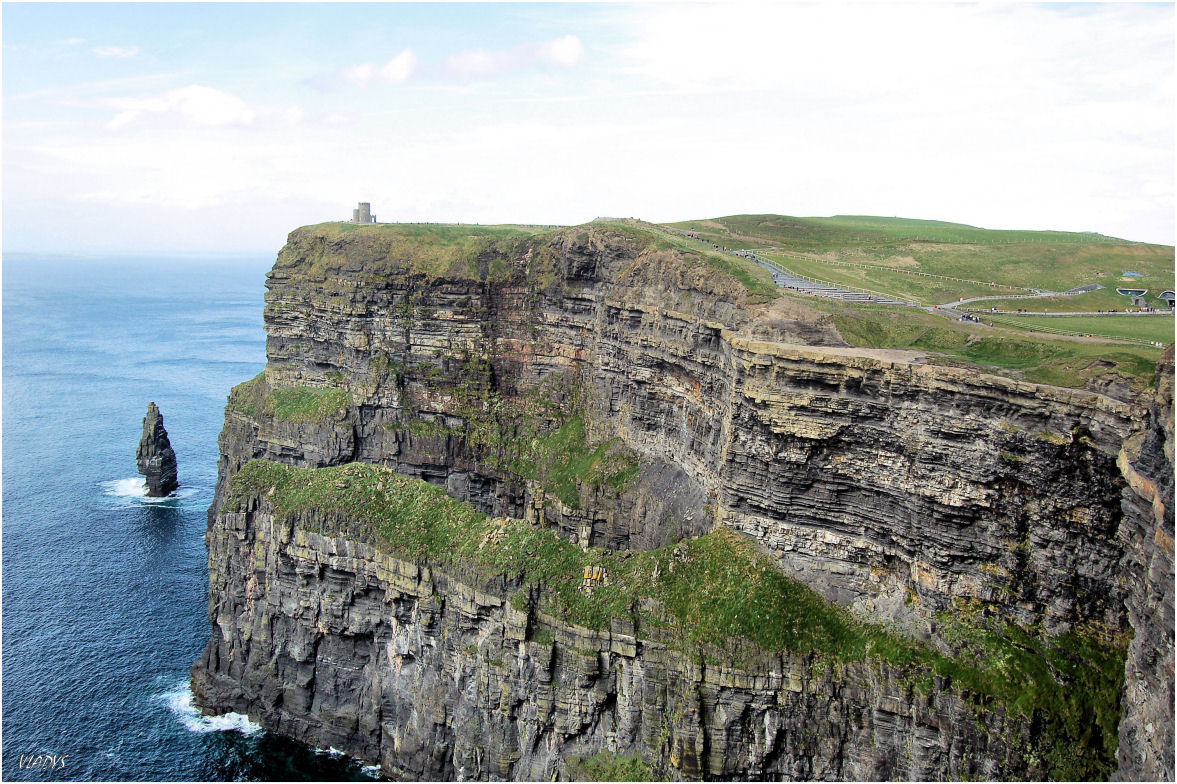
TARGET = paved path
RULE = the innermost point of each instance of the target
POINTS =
(788, 279)
(1041, 294)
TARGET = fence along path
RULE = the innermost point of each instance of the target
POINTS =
(1038, 294)
(788, 279)
(1001, 320)
(859, 265)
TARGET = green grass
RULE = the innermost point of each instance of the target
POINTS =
(716, 591)
(1037, 358)
(894, 282)
(255, 398)
(842, 230)
(496, 254)
(252, 397)
(607, 766)
(438, 250)
(564, 461)
(1055, 261)
(308, 404)
(750, 275)
(1151, 328)
(1093, 301)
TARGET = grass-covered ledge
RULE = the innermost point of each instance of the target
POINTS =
(720, 589)
(256, 398)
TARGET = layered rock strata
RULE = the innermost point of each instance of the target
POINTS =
(904, 490)
(1146, 730)
(323, 637)
(156, 459)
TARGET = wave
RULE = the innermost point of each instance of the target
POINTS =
(182, 704)
(136, 488)
(371, 771)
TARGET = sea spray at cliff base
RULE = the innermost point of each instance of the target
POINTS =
(179, 702)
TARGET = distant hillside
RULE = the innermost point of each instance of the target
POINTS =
(887, 255)
(846, 230)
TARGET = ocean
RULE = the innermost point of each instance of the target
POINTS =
(105, 592)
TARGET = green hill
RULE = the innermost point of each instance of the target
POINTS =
(918, 259)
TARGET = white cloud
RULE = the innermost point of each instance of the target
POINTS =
(199, 104)
(566, 51)
(478, 63)
(114, 51)
(293, 115)
(1012, 117)
(398, 70)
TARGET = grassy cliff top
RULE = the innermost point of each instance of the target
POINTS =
(506, 253)
(713, 592)
(888, 255)
(1014, 350)
(896, 256)
(435, 249)
(842, 230)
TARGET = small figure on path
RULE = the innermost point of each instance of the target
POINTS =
(156, 459)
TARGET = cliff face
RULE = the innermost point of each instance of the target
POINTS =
(629, 396)
(332, 641)
(1146, 730)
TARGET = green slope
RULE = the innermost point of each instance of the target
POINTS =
(897, 256)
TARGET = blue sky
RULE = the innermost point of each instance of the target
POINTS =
(220, 127)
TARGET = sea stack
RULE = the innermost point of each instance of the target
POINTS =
(156, 459)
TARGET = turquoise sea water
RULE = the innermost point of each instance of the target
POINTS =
(105, 594)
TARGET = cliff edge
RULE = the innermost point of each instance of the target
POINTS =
(685, 530)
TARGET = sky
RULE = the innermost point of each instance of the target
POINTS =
(221, 127)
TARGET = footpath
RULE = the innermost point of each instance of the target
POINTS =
(804, 284)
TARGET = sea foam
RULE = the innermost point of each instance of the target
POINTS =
(135, 487)
(182, 704)
(134, 490)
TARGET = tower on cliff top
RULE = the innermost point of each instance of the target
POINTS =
(363, 213)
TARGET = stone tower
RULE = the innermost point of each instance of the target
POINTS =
(363, 213)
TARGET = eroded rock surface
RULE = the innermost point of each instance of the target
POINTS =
(1146, 731)
(156, 459)
(906, 491)
(327, 639)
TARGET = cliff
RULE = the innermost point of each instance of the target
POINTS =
(1146, 730)
(644, 403)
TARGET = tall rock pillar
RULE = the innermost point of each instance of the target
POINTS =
(156, 459)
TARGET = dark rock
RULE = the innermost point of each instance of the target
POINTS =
(902, 489)
(156, 459)
(1146, 727)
